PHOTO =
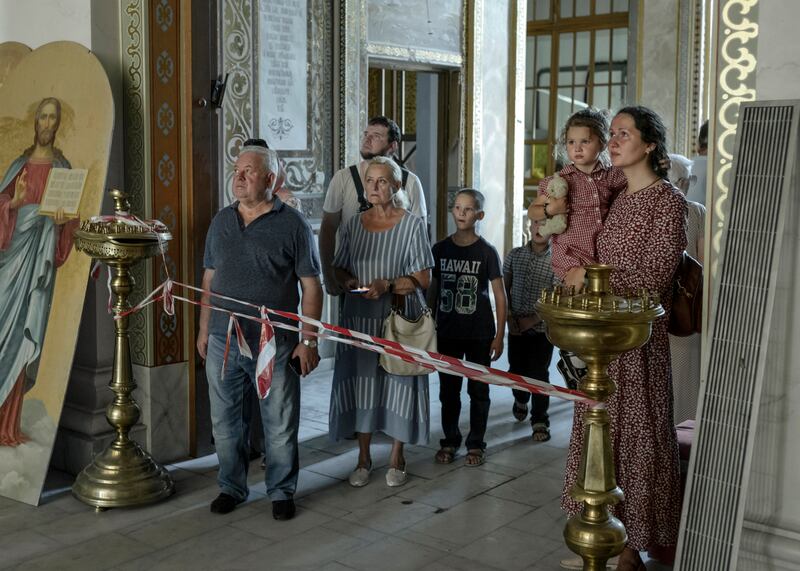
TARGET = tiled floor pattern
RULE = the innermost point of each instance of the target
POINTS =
(502, 515)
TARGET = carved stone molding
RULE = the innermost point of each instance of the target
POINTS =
(238, 107)
(699, 73)
(414, 55)
(136, 112)
(693, 76)
(684, 84)
(737, 36)
(352, 79)
(473, 14)
(515, 179)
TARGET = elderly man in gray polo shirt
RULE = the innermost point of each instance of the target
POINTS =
(258, 250)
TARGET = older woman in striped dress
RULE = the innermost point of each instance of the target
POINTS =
(379, 250)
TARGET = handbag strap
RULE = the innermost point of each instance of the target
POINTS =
(398, 301)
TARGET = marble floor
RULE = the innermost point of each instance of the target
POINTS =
(502, 515)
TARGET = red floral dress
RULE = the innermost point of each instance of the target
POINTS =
(643, 238)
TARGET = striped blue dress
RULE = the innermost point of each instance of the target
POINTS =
(364, 397)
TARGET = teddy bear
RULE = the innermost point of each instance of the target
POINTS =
(556, 188)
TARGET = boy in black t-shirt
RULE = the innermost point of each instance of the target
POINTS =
(466, 328)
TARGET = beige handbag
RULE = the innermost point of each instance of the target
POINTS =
(419, 333)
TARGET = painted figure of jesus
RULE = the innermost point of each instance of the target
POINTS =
(32, 246)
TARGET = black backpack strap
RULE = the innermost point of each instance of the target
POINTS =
(405, 176)
(363, 204)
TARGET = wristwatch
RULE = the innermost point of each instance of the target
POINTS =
(310, 343)
(391, 286)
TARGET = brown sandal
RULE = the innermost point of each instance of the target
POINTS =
(541, 432)
(445, 455)
(475, 457)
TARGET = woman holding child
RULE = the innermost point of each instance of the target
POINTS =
(643, 238)
(593, 185)
(382, 251)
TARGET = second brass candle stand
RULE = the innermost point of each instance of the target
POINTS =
(597, 326)
(123, 474)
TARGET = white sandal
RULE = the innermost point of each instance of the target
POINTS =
(360, 476)
(396, 477)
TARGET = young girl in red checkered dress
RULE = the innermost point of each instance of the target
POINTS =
(593, 184)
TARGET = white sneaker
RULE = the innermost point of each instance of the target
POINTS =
(395, 477)
(360, 476)
(576, 563)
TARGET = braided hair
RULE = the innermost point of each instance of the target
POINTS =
(653, 132)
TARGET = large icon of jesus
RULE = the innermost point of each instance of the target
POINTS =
(56, 113)
(32, 247)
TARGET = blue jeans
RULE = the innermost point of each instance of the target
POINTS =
(280, 416)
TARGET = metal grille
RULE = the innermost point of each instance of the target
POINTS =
(739, 336)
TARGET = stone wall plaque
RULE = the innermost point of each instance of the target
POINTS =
(283, 74)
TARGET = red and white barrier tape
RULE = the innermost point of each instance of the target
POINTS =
(437, 361)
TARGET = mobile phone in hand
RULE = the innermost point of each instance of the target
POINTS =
(294, 363)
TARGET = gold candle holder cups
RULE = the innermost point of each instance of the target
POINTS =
(597, 325)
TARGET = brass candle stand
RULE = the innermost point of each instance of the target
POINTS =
(598, 326)
(123, 474)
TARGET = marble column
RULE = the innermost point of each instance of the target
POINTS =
(657, 66)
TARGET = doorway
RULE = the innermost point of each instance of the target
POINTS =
(426, 104)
